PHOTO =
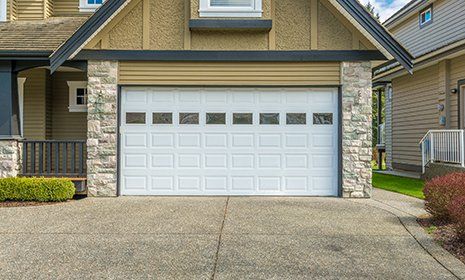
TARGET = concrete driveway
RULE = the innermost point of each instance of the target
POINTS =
(210, 237)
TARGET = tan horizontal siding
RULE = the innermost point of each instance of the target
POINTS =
(66, 125)
(34, 104)
(218, 73)
(415, 99)
(30, 9)
(66, 8)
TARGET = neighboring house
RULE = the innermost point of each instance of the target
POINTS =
(433, 97)
(191, 97)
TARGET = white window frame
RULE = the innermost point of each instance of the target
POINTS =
(73, 86)
(206, 10)
(429, 9)
(3, 8)
(84, 7)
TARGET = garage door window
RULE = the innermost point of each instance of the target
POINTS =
(269, 118)
(296, 118)
(162, 118)
(135, 118)
(216, 118)
(188, 118)
(242, 118)
(322, 118)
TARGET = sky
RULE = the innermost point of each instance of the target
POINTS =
(386, 8)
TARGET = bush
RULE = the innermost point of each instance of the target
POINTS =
(440, 191)
(457, 213)
(36, 189)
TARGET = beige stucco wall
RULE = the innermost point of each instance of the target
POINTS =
(120, 38)
(165, 25)
(415, 99)
(292, 24)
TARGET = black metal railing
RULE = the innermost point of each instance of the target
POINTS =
(60, 158)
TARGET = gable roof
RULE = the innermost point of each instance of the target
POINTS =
(352, 9)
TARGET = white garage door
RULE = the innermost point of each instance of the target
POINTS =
(229, 141)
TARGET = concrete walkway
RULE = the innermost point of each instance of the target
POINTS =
(214, 238)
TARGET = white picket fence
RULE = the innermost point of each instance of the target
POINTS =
(446, 146)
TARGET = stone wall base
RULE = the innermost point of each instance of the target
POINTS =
(10, 158)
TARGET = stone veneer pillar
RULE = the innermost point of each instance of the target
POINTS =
(10, 158)
(356, 129)
(102, 122)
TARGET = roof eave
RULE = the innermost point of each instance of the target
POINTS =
(82, 34)
(381, 35)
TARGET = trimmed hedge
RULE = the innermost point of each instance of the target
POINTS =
(441, 191)
(36, 189)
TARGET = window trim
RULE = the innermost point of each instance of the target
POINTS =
(205, 10)
(426, 23)
(84, 7)
(73, 86)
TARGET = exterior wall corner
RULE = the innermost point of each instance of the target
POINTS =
(356, 129)
(102, 123)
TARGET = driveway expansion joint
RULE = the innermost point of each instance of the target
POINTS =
(219, 238)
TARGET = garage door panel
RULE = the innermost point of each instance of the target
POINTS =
(263, 157)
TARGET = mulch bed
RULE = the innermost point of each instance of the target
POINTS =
(24, 203)
(445, 235)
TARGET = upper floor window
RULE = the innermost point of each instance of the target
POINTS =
(230, 8)
(426, 16)
(89, 5)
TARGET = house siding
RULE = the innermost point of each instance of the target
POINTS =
(219, 73)
(66, 125)
(446, 27)
(30, 9)
(414, 103)
(35, 102)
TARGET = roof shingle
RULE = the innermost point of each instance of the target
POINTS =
(43, 35)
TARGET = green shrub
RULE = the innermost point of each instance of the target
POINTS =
(440, 191)
(36, 189)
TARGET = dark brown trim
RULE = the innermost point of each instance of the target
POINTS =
(461, 103)
(234, 56)
(231, 24)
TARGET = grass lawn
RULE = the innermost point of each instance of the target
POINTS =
(407, 186)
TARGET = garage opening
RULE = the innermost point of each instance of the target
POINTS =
(229, 141)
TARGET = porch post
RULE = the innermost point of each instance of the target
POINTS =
(9, 121)
(9, 105)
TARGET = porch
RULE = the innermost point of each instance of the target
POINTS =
(52, 123)
(442, 152)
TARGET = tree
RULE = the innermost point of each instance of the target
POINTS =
(371, 9)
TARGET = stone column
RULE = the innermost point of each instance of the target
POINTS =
(102, 122)
(10, 158)
(356, 129)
